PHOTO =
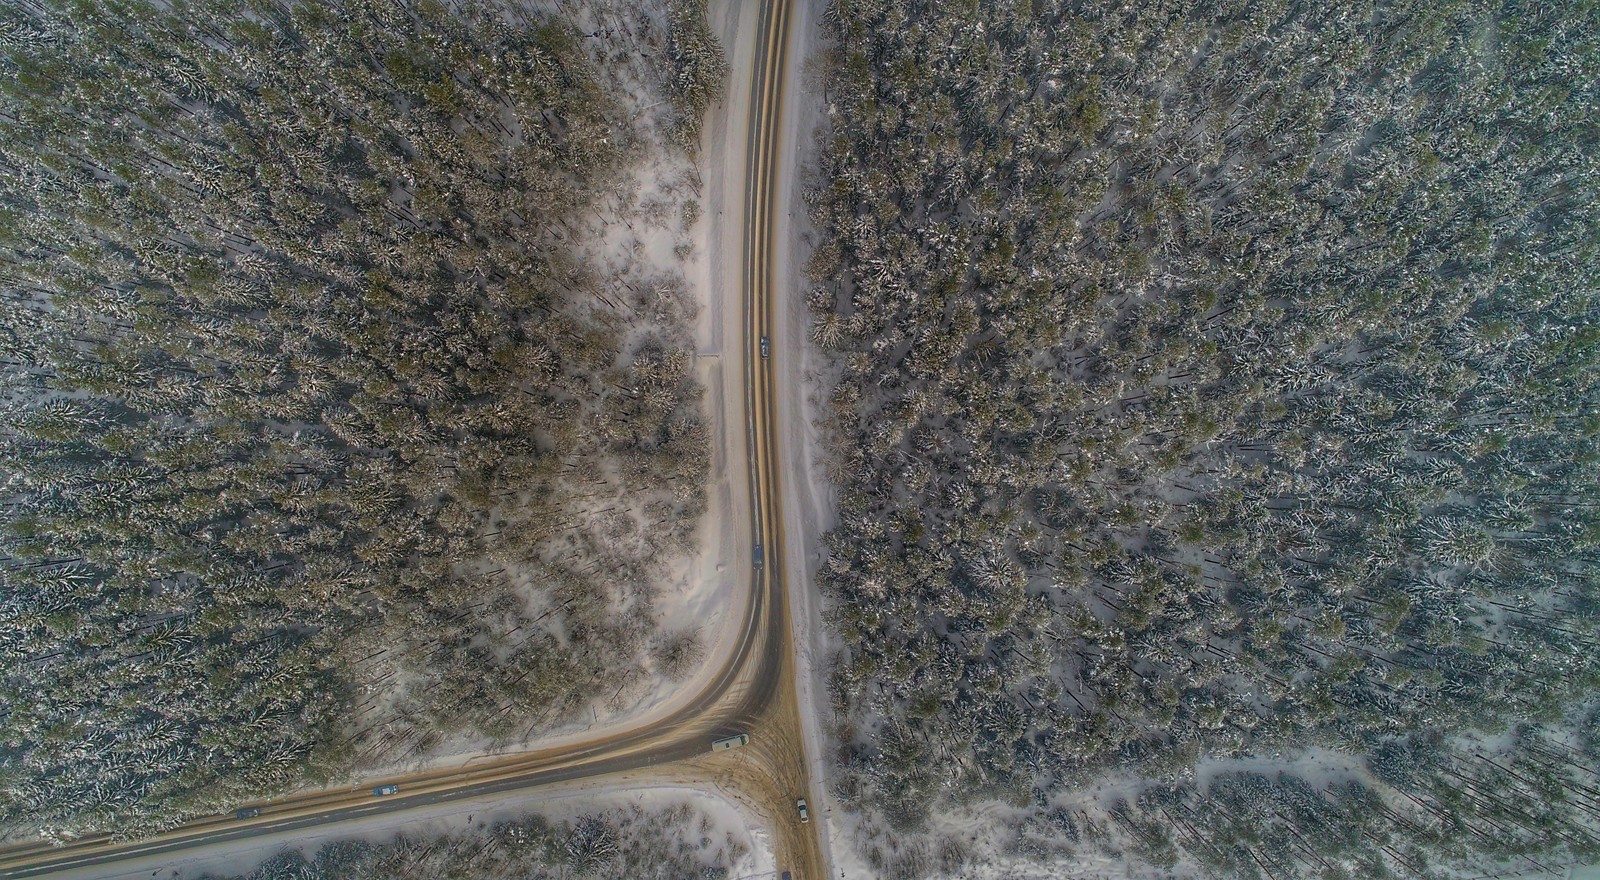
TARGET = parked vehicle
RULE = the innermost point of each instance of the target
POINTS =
(246, 813)
(805, 814)
(730, 742)
(786, 876)
(385, 790)
(760, 556)
(766, 348)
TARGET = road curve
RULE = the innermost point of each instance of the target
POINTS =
(753, 687)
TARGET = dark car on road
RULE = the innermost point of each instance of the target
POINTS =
(385, 790)
(247, 813)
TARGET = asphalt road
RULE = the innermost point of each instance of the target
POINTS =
(753, 692)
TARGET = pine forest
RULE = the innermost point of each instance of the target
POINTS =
(331, 429)
(673, 843)
(1217, 432)
(1204, 484)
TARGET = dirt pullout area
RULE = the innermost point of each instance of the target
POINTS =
(768, 776)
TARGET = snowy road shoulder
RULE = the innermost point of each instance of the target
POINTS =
(700, 818)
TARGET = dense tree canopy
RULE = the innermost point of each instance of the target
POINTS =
(313, 415)
(1215, 380)
(675, 843)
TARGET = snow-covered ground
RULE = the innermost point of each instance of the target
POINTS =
(555, 803)
(705, 591)
(635, 236)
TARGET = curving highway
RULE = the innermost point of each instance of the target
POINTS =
(753, 691)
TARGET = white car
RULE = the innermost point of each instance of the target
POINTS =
(805, 814)
(730, 742)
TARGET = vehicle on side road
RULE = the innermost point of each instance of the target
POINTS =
(760, 556)
(247, 813)
(805, 813)
(766, 348)
(385, 790)
(730, 742)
